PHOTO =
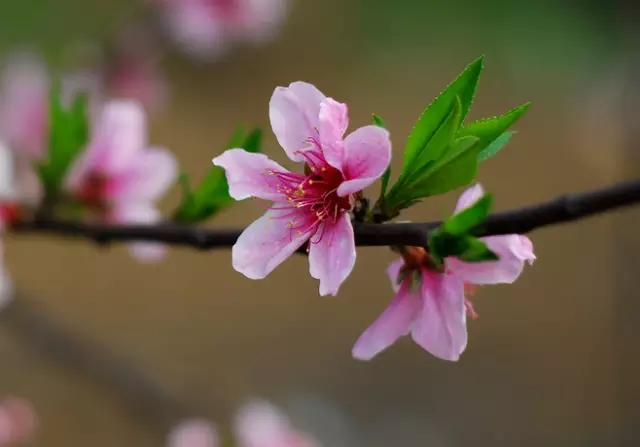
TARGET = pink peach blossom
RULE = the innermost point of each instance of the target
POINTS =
(313, 206)
(432, 306)
(260, 424)
(205, 28)
(23, 107)
(18, 421)
(131, 70)
(118, 176)
(193, 433)
(10, 209)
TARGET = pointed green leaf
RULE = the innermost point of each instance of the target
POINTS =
(475, 251)
(378, 121)
(441, 139)
(470, 217)
(212, 195)
(490, 129)
(432, 118)
(495, 146)
(384, 182)
(456, 169)
(68, 136)
(387, 173)
(465, 247)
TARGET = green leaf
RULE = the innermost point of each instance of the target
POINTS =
(463, 246)
(387, 173)
(495, 146)
(432, 118)
(491, 129)
(457, 168)
(470, 217)
(378, 121)
(476, 251)
(68, 136)
(212, 195)
(384, 182)
(440, 142)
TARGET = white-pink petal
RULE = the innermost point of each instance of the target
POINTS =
(332, 258)
(440, 327)
(119, 135)
(193, 433)
(149, 175)
(260, 424)
(470, 196)
(333, 123)
(393, 323)
(266, 243)
(393, 271)
(367, 154)
(513, 250)
(293, 113)
(250, 175)
(24, 104)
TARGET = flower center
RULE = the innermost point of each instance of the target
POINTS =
(417, 257)
(414, 257)
(313, 196)
(10, 212)
(93, 190)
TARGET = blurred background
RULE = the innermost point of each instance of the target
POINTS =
(552, 360)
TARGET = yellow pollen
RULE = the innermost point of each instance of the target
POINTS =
(323, 169)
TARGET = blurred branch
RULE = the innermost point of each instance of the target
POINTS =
(567, 208)
(53, 341)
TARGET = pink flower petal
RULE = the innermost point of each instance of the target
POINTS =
(193, 433)
(261, 19)
(248, 174)
(470, 196)
(119, 136)
(24, 118)
(260, 424)
(294, 113)
(514, 250)
(333, 123)
(18, 421)
(440, 328)
(266, 243)
(140, 213)
(309, 99)
(150, 174)
(394, 323)
(331, 259)
(367, 154)
(393, 271)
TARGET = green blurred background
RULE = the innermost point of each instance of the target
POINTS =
(552, 360)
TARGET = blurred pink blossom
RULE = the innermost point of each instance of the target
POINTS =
(193, 433)
(313, 206)
(260, 424)
(205, 28)
(18, 421)
(23, 104)
(131, 69)
(433, 307)
(10, 209)
(119, 176)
